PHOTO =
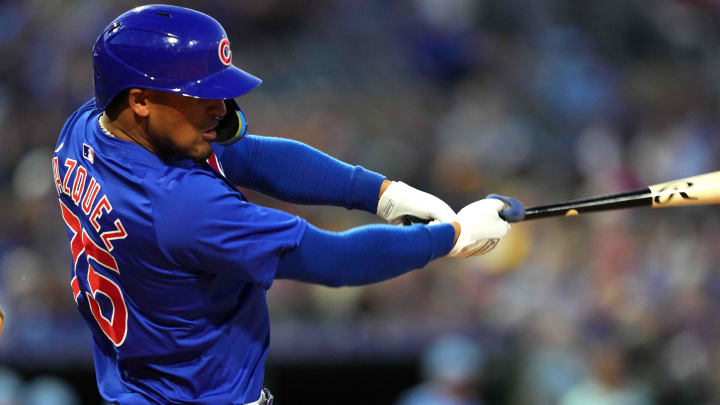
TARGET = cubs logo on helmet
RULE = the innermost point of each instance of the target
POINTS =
(224, 51)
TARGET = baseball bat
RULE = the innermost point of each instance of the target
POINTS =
(702, 189)
(696, 190)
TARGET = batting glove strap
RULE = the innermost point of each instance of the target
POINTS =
(400, 200)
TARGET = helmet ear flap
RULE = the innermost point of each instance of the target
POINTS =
(233, 126)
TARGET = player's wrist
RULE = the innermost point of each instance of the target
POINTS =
(391, 196)
(442, 236)
(458, 229)
(384, 186)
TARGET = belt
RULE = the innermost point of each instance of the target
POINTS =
(266, 398)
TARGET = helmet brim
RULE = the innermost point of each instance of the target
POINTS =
(228, 83)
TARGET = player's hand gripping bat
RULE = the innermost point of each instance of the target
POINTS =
(697, 190)
(513, 212)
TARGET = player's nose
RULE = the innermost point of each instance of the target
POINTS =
(216, 108)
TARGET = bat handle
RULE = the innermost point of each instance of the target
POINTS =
(515, 211)
(411, 219)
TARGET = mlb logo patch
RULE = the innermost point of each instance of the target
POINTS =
(88, 153)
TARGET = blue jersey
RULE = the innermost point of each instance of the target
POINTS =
(170, 267)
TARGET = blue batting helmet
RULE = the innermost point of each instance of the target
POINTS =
(167, 48)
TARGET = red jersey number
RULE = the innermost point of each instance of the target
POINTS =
(81, 244)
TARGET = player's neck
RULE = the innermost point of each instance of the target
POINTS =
(122, 130)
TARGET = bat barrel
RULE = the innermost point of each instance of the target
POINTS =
(636, 198)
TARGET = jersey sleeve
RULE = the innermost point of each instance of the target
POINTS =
(204, 224)
(270, 165)
(364, 255)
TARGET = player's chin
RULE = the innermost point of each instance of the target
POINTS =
(201, 153)
(198, 151)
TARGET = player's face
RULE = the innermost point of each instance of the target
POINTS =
(183, 126)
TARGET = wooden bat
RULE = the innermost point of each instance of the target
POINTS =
(697, 190)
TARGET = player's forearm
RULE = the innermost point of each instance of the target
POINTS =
(364, 255)
(295, 172)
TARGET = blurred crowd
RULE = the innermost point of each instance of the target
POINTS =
(543, 100)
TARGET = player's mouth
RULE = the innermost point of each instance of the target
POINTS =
(210, 134)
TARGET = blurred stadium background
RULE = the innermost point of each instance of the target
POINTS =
(542, 100)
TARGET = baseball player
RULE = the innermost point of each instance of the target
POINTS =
(170, 262)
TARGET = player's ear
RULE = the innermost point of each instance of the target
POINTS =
(138, 102)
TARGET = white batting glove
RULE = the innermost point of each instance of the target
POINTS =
(480, 228)
(400, 200)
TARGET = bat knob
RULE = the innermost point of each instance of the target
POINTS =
(515, 211)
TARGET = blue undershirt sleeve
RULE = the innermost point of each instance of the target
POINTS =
(364, 255)
(295, 172)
